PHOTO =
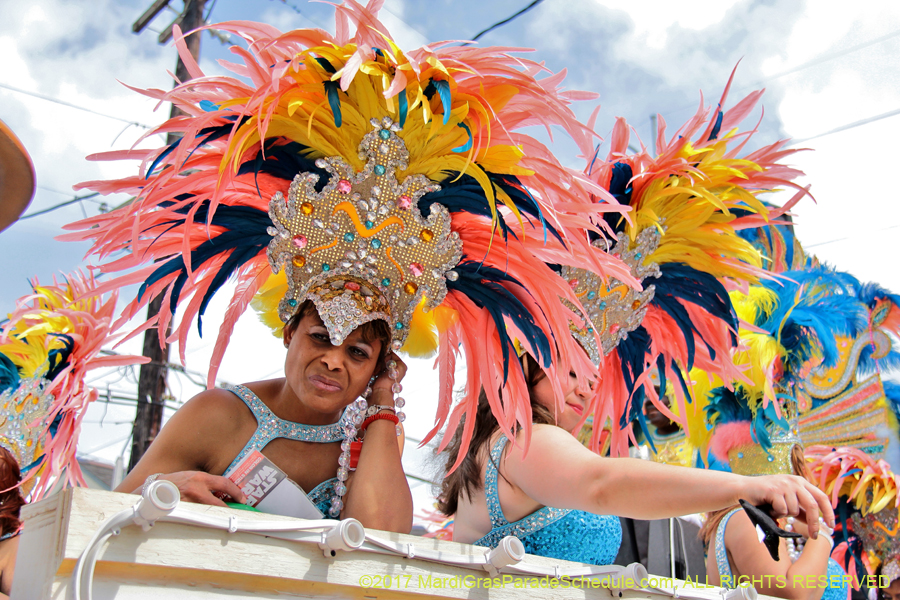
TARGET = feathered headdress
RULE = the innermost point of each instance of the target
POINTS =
(856, 482)
(788, 327)
(688, 205)
(47, 346)
(852, 403)
(377, 183)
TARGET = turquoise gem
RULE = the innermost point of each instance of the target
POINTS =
(348, 237)
(292, 303)
(384, 134)
(637, 254)
(399, 325)
(385, 282)
(376, 243)
(771, 458)
(591, 295)
(602, 305)
(379, 169)
(326, 267)
(369, 224)
(740, 455)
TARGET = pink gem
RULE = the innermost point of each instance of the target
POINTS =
(344, 186)
(300, 241)
(404, 202)
(614, 329)
(351, 285)
(416, 269)
(573, 283)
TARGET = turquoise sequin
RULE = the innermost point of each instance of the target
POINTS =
(552, 532)
(269, 427)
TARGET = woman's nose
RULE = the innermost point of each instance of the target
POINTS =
(333, 358)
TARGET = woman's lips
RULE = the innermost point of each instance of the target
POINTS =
(325, 384)
(577, 408)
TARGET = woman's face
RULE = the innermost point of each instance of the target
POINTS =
(326, 378)
(576, 401)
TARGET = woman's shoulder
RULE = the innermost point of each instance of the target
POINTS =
(216, 408)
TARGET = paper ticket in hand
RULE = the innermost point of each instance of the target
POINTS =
(269, 490)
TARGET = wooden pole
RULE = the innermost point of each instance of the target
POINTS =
(152, 378)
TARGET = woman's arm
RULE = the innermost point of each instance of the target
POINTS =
(558, 471)
(782, 579)
(378, 493)
(184, 449)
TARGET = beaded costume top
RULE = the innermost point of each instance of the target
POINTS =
(561, 533)
(270, 427)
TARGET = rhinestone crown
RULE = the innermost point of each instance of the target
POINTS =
(613, 308)
(360, 249)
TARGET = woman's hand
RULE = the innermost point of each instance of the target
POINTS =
(790, 495)
(382, 394)
(203, 488)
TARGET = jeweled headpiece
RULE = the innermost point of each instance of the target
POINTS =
(613, 308)
(682, 241)
(360, 249)
(419, 201)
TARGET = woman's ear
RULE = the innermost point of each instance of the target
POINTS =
(287, 333)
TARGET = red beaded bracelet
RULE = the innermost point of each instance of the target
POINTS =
(382, 415)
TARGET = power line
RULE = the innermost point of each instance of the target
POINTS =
(75, 106)
(822, 58)
(843, 239)
(853, 125)
(504, 21)
(60, 205)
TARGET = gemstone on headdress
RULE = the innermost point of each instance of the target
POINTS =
(613, 308)
(377, 269)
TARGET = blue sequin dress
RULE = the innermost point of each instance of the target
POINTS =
(834, 572)
(552, 532)
(269, 427)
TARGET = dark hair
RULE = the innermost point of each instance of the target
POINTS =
(11, 500)
(373, 330)
(466, 479)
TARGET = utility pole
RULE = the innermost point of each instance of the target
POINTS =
(152, 379)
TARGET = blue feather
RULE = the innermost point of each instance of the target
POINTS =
(332, 90)
(9, 374)
(245, 237)
(404, 107)
(468, 145)
(483, 285)
(718, 126)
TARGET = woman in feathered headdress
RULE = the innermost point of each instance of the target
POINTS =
(368, 201)
(554, 494)
(788, 328)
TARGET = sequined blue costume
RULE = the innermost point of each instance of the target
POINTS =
(835, 572)
(552, 532)
(269, 427)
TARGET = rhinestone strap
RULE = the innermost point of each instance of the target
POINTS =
(500, 527)
(269, 426)
(725, 578)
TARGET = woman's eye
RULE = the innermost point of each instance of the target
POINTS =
(319, 336)
(358, 352)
